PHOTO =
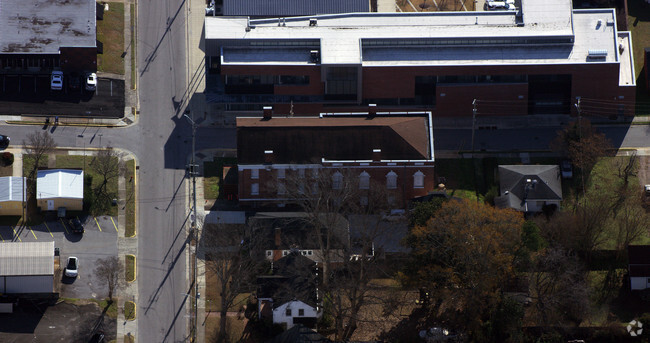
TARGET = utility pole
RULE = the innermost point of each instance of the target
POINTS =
(582, 172)
(192, 172)
(474, 103)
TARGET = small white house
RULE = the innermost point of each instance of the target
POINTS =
(294, 312)
(639, 266)
(60, 188)
(26, 267)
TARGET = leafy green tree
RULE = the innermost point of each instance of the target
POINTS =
(423, 211)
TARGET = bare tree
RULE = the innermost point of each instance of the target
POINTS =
(37, 145)
(330, 200)
(107, 163)
(559, 288)
(232, 256)
(108, 272)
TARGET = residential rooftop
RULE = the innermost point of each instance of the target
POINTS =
(44, 26)
(26, 258)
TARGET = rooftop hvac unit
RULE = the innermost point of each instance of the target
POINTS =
(597, 53)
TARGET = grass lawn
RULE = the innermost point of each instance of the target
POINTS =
(112, 309)
(211, 187)
(94, 204)
(234, 326)
(129, 268)
(639, 24)
(213, 299)
(130, 198)
(110, 32)
(213, 176)
(133, 48)
(129, 310)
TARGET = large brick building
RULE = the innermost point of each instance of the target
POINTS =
(538, 59)
(392, 150)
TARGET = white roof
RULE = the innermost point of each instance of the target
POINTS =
(348, 38)
(12, 188)
(28, 258)
(60, 183)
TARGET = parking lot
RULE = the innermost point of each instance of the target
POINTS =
(31, 94)
(98, 241)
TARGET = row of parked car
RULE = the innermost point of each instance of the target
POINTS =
(74, 81)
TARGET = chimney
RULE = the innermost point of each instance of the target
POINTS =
(376, 155)
(268, 112)
(268, 156)
(372, 110)
(278, 237)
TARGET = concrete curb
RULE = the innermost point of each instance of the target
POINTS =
(135, 267)
(135, 308)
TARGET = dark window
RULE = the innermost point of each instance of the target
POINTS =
(341, 83)
(425, 90)
(294, 79)
(301, 312)
(457, 79)
(288, 312)
(549, 94)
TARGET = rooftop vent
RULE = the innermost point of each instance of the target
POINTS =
(597, 53)
(267, 112)
(313, 21)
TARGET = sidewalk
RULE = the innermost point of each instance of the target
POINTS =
(126, 246)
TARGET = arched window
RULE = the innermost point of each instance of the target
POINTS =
(364, 180)
(391, 180)
(418, 179)
(337, 181)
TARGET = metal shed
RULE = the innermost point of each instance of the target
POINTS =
(26, 267)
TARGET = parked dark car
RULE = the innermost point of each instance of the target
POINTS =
(76, 226)
(4, 141)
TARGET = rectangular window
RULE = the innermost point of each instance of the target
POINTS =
(282, 189)
(309, 253)
(269, 253)
(294, 79)
(281, 173)
(288, 312)
(255, 173)
(301, 312)
(301, 173)
(363, 200)
(255, 189)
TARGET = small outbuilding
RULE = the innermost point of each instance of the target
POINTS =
(12, 195)
(57, 188)
(26, 267)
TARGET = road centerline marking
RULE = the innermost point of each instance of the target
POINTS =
(114, 224)
(96, 222)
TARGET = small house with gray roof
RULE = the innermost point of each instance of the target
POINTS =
(12, 195)
(529, 188)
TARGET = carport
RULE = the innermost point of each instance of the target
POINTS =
(26, 267)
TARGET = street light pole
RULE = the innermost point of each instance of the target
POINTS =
(192, 171)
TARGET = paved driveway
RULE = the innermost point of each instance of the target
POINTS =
(99, 241)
